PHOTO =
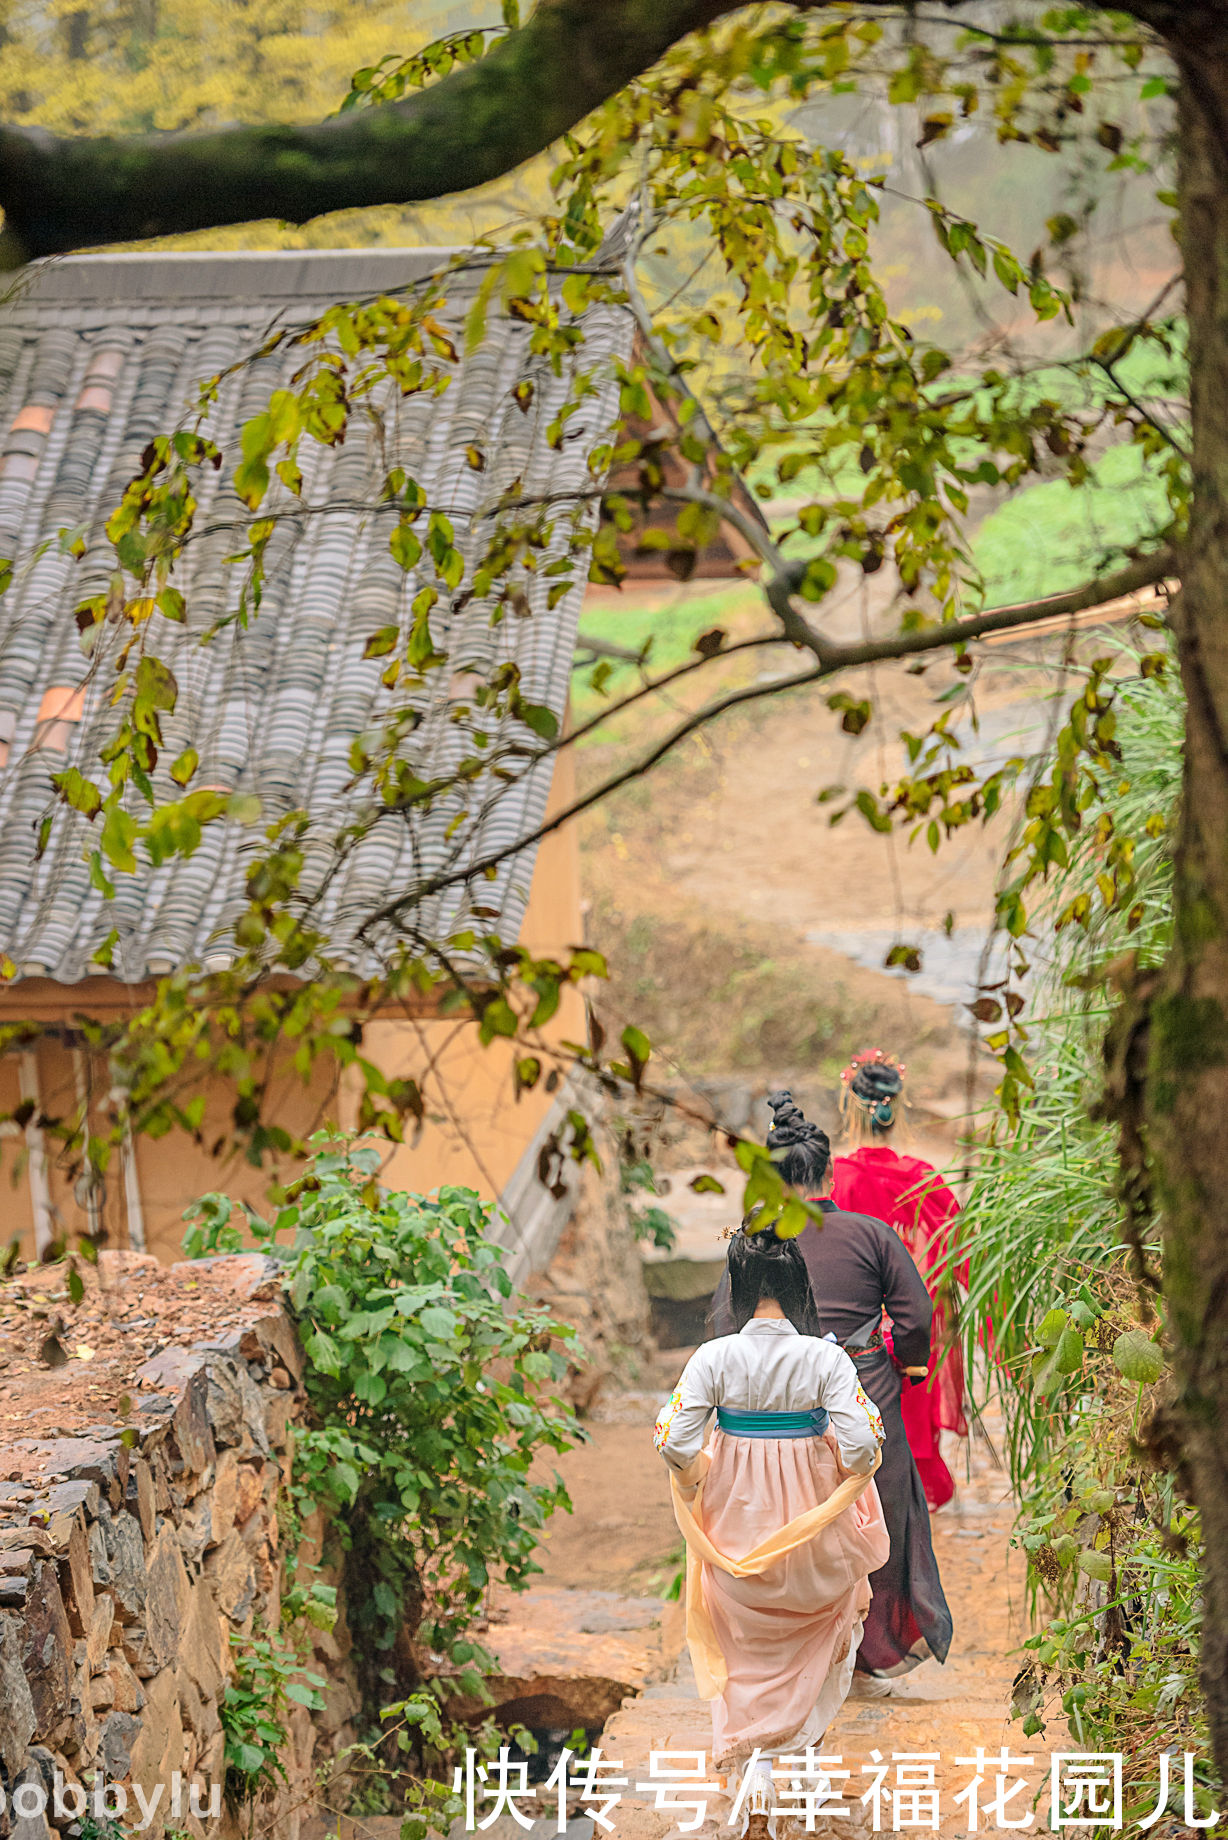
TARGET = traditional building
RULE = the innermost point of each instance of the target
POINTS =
(98, 355)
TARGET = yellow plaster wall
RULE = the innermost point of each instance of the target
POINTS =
(476, 1130)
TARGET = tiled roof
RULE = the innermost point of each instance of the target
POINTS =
(99, 353)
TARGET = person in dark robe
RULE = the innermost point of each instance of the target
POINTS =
(859, 1268)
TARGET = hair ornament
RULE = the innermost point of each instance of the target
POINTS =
(871, 1086)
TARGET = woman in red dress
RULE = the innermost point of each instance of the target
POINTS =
(913, 1198)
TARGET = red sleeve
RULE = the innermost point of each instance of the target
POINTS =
(937, 1215)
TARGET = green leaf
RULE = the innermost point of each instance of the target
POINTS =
(1138, 1357)
(405, 546)
(106, 952)
(540, 719)
(498, 1018)
(100, 880)
(185, 766)
(438, 1322)
(637, 1044)
(81, 793)
(155, 684)
(284, 419)
(1097, 1565)
(244, 808)
(382, 642)
(1051, 1328)
(118, 837)
(172, 606)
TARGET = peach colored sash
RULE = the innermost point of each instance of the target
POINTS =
(711, 1673)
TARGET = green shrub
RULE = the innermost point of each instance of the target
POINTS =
(1114, 1557)
(428, 1387)
(268, 1676)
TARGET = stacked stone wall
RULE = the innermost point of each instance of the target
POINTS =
(133, 1550)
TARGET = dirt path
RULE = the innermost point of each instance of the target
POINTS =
(596, 1617)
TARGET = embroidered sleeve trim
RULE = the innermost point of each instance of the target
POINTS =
(669, 1412)
(872, 1413)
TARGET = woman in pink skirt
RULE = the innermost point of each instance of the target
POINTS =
(781, 1518)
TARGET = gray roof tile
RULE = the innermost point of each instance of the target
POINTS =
(98, 354)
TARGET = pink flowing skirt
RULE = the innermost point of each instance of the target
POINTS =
(782, 1633)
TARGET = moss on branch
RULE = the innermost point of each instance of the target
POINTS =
(61, 193)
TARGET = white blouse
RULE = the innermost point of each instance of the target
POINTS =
(769, 1367)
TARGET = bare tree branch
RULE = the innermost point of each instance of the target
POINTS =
(605, 648)
(830, 658)
(1147, 572)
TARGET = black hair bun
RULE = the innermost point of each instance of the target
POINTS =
(876, 1081)
(791, 1127)
(762, 1239)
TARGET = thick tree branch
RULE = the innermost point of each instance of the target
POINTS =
(66, 192)
(1160, 566)
(61, 193)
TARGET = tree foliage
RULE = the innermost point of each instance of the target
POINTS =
(775, 368)
(862, 438)
(125, 68)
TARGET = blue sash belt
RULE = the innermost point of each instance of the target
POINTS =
(772, 1424)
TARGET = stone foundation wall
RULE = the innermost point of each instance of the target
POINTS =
(133, 1549)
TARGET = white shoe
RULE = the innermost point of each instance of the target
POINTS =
(758, 1821)
(870, 1686)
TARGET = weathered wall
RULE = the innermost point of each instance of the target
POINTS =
(128, 1562)
(595, 1281)
(477, 1131)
